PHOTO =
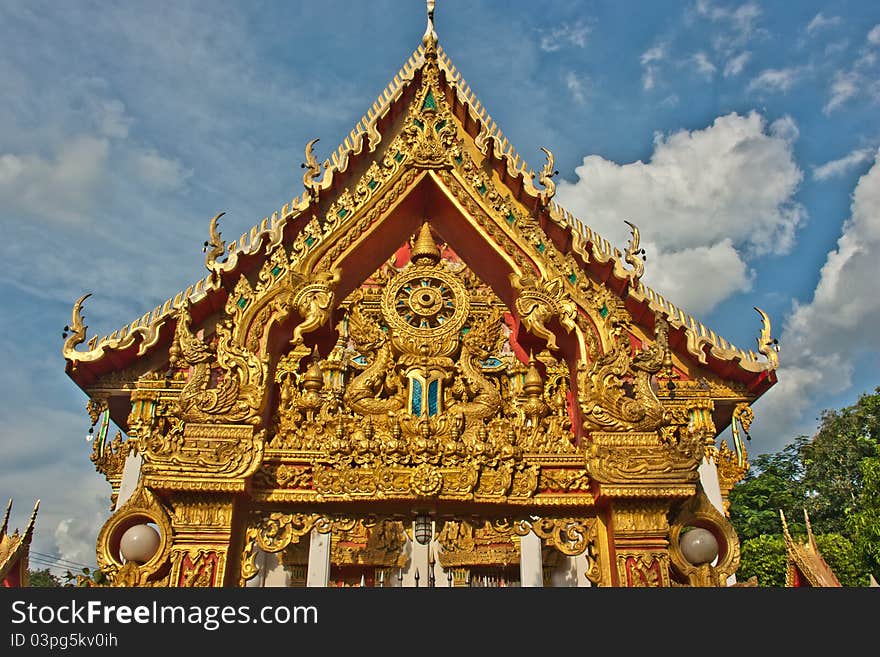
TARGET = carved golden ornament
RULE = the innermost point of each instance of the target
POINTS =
(639, 458)
(546, 178)
(426, 480)
(635, 255)
(109, 459)
(743, 415)
(768, 346)
(643, 569)
(214, 248)
(641, 517)
(276, 531)
(312, 172)
(421, 394)
(197, 568)
(606, 403)
(730, 471)
(238, 395)
(540, 301)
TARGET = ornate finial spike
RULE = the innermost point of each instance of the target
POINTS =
(767, 344)
(312, 167)
(633, 251)
(424, 248)
(429, 40)
(6, 518)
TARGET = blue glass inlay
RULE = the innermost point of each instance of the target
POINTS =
(433, 388)
(416, 408)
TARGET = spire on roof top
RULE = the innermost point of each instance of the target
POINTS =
(430, 38)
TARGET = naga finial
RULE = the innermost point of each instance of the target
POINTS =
(312, 167)
(429, 40)
(742, 417)
(633, 251)
(76, 327)
(767, 344)
(546, 176)
(214, 248)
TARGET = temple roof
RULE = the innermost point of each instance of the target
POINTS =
(14, 547)
(619, 271)
(805, 564)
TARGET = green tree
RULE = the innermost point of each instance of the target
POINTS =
(763, 557)
(43, 578)
(832, 462)
(835, 476)
(773, 483)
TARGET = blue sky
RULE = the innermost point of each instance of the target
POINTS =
(741, 137)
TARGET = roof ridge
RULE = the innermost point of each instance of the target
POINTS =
(250, 241)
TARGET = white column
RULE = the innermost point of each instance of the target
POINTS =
(709, 480)
(131, 472)
(318, 573)
(530, 567)
(418, 561)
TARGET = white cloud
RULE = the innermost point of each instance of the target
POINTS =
(576, 85)
(648, 60)
(718, 195)
(555, 38)
(819, 22)
(874, 35)
(703, 65)
(823, 339)
(735, 65)
(844, 86)
(843, 164)
(160, 173)
(775, 80)
(60, 187)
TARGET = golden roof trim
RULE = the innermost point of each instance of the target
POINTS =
(806, 558)
(699, 337)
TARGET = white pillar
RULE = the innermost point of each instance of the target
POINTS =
(131, 472)
(530, 567)
(318, 572)
(272, 572)
(709, 480)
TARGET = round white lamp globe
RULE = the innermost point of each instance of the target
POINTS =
(139, 543)
(698, 546)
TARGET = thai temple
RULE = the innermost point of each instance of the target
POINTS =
(421, 372)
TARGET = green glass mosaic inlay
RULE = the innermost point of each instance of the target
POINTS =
(398, 156)
(440, 125)
(541, 247)
(603, 311)
(429, 103)
(341, 214)
(459, 159)
(419, 123)
(482, 188)
(372, 184)
(276, 270)
(242, 302)
(572, 278)
(511, 218)
(310, 241)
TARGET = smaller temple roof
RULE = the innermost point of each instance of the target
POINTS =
(805, 565)
(14, 548)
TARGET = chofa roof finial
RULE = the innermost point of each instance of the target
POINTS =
(430, 38)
